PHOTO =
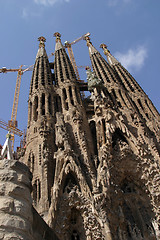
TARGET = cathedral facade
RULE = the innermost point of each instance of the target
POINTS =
(94, 160)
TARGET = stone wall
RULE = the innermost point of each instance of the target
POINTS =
(18, 219)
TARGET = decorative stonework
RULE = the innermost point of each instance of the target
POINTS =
(95, 161)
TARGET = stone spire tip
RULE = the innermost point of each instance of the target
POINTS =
(105, 49)
(92, 49)
(58, 36)
(112, 60)
(42, 41)
(88, 40)
(58, 41)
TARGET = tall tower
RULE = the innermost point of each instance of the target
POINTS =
(40, 134)
(95, 161)
(126, 143)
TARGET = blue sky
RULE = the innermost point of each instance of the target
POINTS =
(130, 28)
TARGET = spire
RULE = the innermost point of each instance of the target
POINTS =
(58, 41)
(111, 60)
(41, 72)
(41, 51)
(101, 68)
(63, 66)
(91, 48)
(131, 85)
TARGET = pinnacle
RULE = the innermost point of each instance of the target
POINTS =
(58, 41)
(91, 48)
(111, 60)
(41, 51)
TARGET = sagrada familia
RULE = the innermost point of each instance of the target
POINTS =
(94, 160)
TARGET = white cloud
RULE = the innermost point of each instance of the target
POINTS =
(49, 2)
(133, 59)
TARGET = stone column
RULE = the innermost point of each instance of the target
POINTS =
(16, 216)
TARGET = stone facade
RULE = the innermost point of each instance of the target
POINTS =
(95, 160)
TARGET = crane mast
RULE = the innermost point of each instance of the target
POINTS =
(13, 121)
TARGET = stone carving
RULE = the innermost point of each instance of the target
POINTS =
(88, 151)
(93, 81)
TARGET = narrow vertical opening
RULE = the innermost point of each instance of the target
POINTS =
(49, 104)
(57, 104)
(71, 96)
(39, 190)
(65, 65)
(104, 130)
(42, 71)
(140, 104)
(35, 192)
(37, 72)
(65, 99)
(30, 112)
(43, 104)
(48, 72)
(35, 108)
(60, 67)
(149, 107)
(92, 126)
(102, 70)
(32, 163)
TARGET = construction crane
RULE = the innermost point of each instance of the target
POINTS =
(68, 45)
(10, 128)
(12, 124)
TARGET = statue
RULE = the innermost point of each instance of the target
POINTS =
(93, 81)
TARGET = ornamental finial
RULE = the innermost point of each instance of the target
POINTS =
(58, 36)
(88, 40)
(104, 47)
(42, 41)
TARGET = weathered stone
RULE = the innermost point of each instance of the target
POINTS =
(95, 160)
